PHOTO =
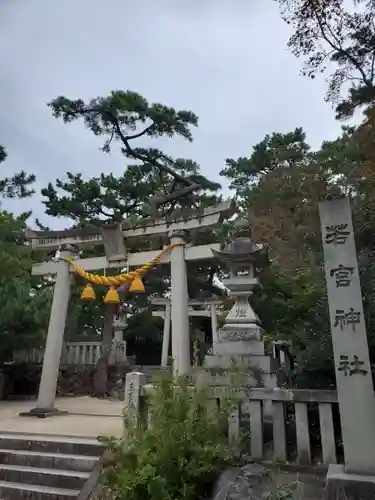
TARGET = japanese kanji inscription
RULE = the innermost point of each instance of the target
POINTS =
(344, 319)
(351, 367)
(342, 275)
(240, 312)
(337, 234)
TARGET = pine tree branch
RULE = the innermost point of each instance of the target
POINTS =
(125, 140)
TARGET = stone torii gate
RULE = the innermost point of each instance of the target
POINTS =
(206, 308)
(182, 227)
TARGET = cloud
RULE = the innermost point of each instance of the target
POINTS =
(225, 60)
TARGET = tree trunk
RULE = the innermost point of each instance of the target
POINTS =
(101, 369)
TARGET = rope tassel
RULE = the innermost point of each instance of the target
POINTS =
(88, 293)
(137, 285)
(112, 296)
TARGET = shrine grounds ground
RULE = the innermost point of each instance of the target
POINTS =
(89, 417)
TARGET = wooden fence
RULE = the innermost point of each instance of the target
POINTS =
(75, 353)
(303, 428)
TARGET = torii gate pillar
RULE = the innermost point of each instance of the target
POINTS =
(180, 306)
(45, 406)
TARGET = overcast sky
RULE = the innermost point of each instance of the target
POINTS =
(224, 59)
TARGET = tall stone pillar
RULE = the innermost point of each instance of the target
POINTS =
(55, 337)
(356, 478)
(166, 335)
(180, 306)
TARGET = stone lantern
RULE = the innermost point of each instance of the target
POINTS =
(243, 258)
(240, 339)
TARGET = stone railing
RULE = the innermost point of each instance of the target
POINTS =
(75, 353)
(302, 425)
(302, 428)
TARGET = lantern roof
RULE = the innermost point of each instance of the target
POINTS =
(243, 249)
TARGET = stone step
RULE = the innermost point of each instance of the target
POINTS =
(84, 463)
(18, 491)
(51, 444)
(57, 478)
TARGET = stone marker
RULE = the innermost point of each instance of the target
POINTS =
(134, 382)
(351, 355)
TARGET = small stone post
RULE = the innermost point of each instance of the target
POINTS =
(350, 348)
(180, 307)
(213, 324)
(134, 382)
(166, 335)
(55, 337)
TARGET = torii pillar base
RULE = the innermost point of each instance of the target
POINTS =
(43, 413)
(341, 485)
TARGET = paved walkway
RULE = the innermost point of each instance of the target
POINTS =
(87, 416)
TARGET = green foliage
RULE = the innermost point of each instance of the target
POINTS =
(280, 491)
(144, 327)
(24, 317)
(15, 258)
(24, 299)
(85, 318)
(128, 110)
(123, 117)
(104, 198)
(180, 454)
(274, 151)
(17, 186)
(279, 186)
(3, 153)
(336, 34)
(109, 198)
(298, 312)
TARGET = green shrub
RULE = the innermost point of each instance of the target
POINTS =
(181, 452)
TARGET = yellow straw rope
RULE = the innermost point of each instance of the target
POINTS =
(120, 279)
